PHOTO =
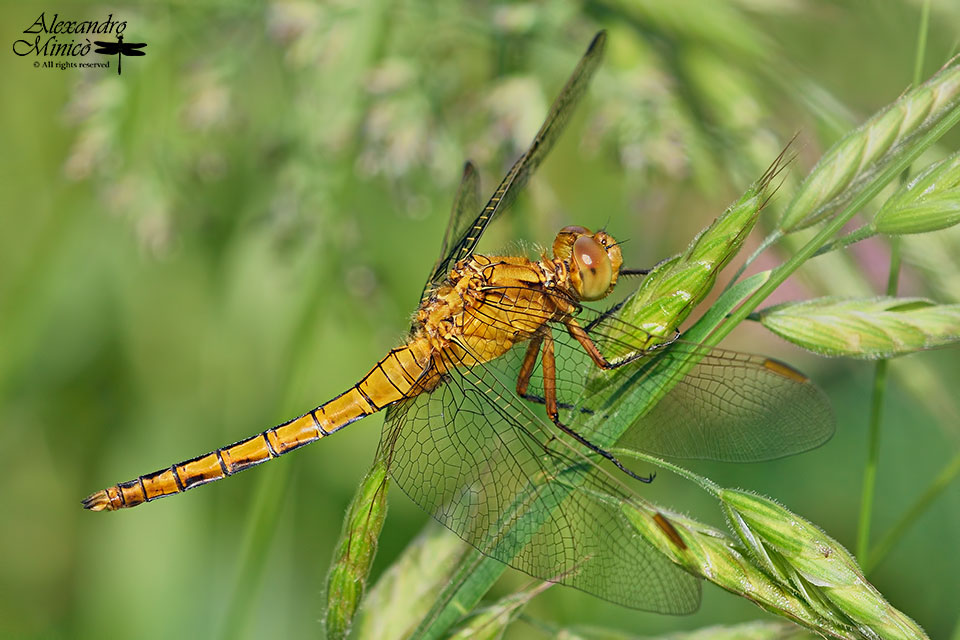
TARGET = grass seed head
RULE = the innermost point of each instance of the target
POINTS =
(863, 152)
(355, 551)
(822, 566)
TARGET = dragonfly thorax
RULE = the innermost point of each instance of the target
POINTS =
(437, 316)
(594, 261)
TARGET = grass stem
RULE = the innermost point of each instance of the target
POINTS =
(880, 372)
(870, 468)
(910, 517)
(765, 244)
(857, 235)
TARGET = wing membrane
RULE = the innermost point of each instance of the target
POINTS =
(465, 205)
(473, 455)
(557, 118)
(733, 408)
(685, 400)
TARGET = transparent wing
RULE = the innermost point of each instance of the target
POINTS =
(523, 168)
(734, 407)
(465, 205)
(683, 400)
(473, 454)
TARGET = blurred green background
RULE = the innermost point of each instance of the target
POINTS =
(236, 228)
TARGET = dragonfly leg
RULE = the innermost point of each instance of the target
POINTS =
(603, 316)
(566, 406)
(526, 370)
(549, 367)
(661, 345)
(579, 334)
(642, 272)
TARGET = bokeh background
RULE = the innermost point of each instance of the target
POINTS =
(237, 227)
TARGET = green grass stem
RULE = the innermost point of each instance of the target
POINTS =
(880, 370)
(910, 517)
(870, 467)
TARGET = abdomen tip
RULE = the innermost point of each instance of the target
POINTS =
(98, 501)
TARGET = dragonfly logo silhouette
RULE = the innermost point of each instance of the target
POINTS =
(120, 49)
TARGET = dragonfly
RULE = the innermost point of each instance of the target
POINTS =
(492, 407)
(120, 49)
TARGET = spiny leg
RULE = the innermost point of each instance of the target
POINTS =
(640, 272)
(526, 370)
(579, 334)
(603, 316)
(635, 272)
(549, 368)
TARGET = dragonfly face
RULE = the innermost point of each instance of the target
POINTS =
(595, 261)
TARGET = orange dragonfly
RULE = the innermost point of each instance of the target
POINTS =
(464, 435)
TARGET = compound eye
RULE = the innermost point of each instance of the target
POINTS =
(593, 264)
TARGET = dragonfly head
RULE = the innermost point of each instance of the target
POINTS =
(594, 258)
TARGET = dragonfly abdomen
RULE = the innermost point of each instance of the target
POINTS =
(390, 380)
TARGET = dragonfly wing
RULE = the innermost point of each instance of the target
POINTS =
(735, 407)
(465, 205)
(134, 52)
(523, 168)
(718, 404)
(476, 457)
(685, 400)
